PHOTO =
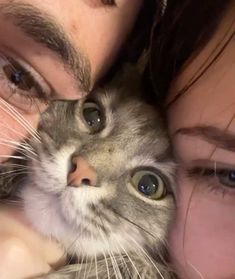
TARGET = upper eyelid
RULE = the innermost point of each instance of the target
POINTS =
(203, 163)
(207, 171)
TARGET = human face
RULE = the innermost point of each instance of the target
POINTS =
(54, 49)
(202, 127)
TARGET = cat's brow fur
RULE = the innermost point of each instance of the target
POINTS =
(114, 231)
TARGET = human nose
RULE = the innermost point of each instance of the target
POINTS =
(81, 174)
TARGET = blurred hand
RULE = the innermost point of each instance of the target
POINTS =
(18, 261)
(23, 252)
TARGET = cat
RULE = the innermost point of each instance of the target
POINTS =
(101, 183)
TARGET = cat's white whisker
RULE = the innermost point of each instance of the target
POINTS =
(91, 266)
(24, 146)
(11, 143)
(77, 272)
(82, 262)
(20, 149)
(116, 264)
(14, 113)
(95, 258)
(196, 270)
(96, 267)
(20, 171)
(113, 265)
(85, 269)
(28, 148)
(16, 165)
(13, 131)
(112, 257)
(11, 201)
(13, 157)
(122, 257)
(146, 254)
(131, 261)
(106, 264)
(13, 167)
(5, 106)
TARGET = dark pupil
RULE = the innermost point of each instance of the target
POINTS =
(16, 77)
(21, 79)
(231, 176)
(148, 185)
(92, 117)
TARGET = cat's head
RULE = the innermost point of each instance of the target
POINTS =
(102, 181)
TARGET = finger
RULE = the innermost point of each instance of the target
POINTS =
(17, 261)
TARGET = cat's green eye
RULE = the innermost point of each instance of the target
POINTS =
(149, 184)
(93, 116)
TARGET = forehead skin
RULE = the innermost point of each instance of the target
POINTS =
(202, 240)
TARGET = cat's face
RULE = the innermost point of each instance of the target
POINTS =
(102, 180)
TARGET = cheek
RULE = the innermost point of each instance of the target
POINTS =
(203, 234)
(13, 129)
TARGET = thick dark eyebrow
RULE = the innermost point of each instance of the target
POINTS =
(221, 138)
(43, 29)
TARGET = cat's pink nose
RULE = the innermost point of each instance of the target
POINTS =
(82, 173)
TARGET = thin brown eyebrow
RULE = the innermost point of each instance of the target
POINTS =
(44, 30)
(221, 138)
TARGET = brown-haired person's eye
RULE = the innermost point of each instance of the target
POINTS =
(21, 86)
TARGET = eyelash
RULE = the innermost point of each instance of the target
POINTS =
(215, 177)
(29, 100)
(109, 2)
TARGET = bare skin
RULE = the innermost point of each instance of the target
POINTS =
(202, 239)
(22, 245)
(79, 51)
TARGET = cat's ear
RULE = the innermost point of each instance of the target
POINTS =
(132, 73)
(129, 77)
(142, 62)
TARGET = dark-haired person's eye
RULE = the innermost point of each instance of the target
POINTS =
(22, 87)
(149, 184)
(93, 116)
(227, 177)
(219, 178)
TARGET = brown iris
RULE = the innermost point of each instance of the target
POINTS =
(18, 76)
